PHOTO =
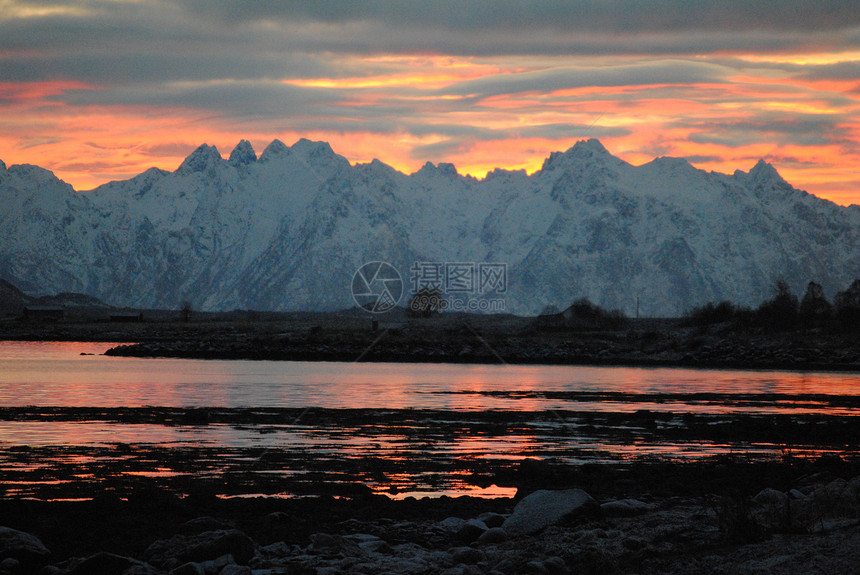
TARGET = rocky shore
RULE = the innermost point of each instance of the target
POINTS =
(807, 523)
(666, 344)
(454, 338)
(754, 353)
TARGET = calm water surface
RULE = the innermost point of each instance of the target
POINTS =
(57, 374)
(556, 402)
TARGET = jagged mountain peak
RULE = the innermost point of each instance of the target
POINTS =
(41, 178)
(591, 146)
(503, 174)
(2, 166)
(204, 157)
(319, 154)
(296, 230)
(763, 171)
(584, 151)
(441, 169)
(311, 147)
(275, 149)
(243, 154)
(671, 162)
(152, 173)
(377, 168)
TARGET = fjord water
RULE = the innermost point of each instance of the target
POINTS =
(556, 412)
(63, 374)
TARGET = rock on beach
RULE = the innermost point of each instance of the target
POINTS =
(543, 508)
(24, 548)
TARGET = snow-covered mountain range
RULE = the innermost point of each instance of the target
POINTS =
(288, 230)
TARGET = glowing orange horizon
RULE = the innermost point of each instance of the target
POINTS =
(476, 114)
(473, 159)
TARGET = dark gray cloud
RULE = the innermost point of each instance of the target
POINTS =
(234, 60)
(460, 138)
(240, 100)
(121, 42)
(766, 126)
(841, 71)
(560, 78)
(612, 16)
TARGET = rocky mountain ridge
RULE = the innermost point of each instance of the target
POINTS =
(287, 231)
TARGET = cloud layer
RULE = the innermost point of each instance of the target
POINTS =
(102, 89)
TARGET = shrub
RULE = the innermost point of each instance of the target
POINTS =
(709, 314)
(848, 307)
(779, 313)
(584, 314)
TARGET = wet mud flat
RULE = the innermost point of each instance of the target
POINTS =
(287, 452)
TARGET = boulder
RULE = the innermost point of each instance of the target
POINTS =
(772, 511)
(202, 524)
(179, 549)
(325, 544)
(625, 507)
(451, 524)
(771, 497)
(492, 519)
(556, 565)
(218, 564)
(543, 508)
(27, 549)
(467, 555)
(471, 530)
(493, 535)
(188, 569)
(110, 564)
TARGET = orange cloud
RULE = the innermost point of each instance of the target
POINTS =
(405, 110)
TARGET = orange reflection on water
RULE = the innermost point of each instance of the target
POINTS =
(491, 492)
(384, 418)
(56, 374)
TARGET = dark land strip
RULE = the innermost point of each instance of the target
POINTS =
(350, 336)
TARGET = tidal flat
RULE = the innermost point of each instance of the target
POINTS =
(703, 479)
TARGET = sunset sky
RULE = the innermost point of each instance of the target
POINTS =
(102, 90)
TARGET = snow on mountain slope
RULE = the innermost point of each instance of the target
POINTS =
(288, 230)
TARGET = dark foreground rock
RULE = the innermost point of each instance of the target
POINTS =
(811, 527)
(180, 549)
(21, 549)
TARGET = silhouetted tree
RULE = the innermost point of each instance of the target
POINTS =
(815, 310)
(186, 310)
(848, 307)
(584, 314)
(708, 314)
(779, 313)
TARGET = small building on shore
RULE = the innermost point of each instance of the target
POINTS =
(126, 317)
